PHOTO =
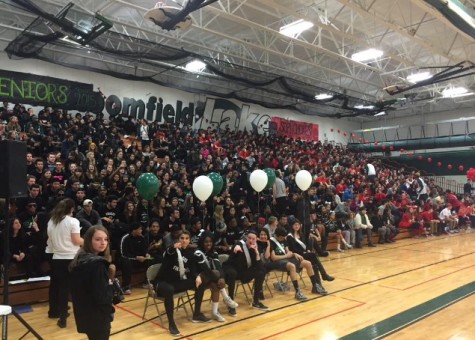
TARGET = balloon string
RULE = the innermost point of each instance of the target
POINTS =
(204, 211)
(258, 203)
(303, 212)
(147, 234)
(213, 213)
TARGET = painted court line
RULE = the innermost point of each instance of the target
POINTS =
(404, 319)
(140, 323)
(429, 280)
(312, 321)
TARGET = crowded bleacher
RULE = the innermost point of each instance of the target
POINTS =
(353, 201)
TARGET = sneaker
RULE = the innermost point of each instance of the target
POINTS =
(230, 302)
(174, 330)
(200, 318)
(62, 323)
(127, 292)
(349, 246)
(324, 253)
(259, 305)
(340, 250)
(281, 286)
(328, 277)
(299, 295)
(318, 289)
(232, 312)
(218, 317)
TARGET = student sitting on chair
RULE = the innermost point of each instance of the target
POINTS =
(178, 274)
(211, 274)
(245, 264)
(291, 262)
(296, 245)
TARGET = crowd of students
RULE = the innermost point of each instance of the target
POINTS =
(95, 163)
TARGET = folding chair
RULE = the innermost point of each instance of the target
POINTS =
(183, 298)
(249, 291)
(300, 272)
(266, 284)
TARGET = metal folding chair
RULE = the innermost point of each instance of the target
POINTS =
(183, 298)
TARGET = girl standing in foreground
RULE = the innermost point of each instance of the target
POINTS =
(91, 289)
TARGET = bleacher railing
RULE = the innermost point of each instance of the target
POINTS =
(440, 181)
(450, 184)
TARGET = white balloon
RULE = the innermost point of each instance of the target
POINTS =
(258, 180)
(202, 187)
(303, 179)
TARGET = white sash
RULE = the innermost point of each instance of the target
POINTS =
(246, 253)
(277, 243)
(299, 242)
(205, 259)
(181, 265)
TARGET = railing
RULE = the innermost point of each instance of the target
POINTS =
(450, 184)
(441, 181)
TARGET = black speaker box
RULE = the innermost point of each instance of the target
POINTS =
(12, 169)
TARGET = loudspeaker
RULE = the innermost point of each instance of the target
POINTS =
(12, 169)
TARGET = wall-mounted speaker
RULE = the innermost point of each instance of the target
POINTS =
(13, 169)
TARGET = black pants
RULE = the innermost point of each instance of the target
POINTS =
(167, 289)
(127, 266)
(256, 272)
(281, 205)
(59, 288)
(316, 264)
(99, 335)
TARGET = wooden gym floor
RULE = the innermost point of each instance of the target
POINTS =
(411, 289)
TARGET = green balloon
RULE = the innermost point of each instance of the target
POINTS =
(270, 177)
(218, 183)
(147, 185)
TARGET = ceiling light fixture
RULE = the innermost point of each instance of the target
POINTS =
(362, 107)
(461, 11)
(382, 113)
(195, 66)
(418, 77)
(294, 29)
(323, 96)
(455, 92)
(367, 55)
(66, 39)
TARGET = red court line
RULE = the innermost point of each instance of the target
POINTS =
(139, 316)
(392, 258)
(311, 321)
(346, 279)
(438, 277)
(424, 282)
(348, 299)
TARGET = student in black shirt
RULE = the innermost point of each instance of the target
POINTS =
(178, 274)
(133, 251)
